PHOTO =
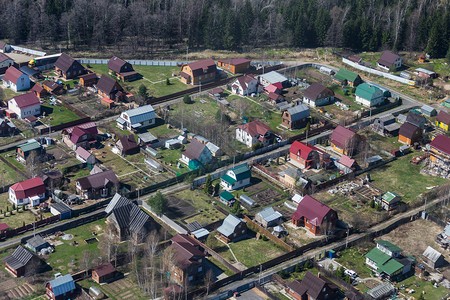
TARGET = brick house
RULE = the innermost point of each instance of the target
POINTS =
(198, 72)
(68, 67)
(296, 116)
(234, 65)
(307, 156)
(316, 217)
(312, 287)
(108, 87)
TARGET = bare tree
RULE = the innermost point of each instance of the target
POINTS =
(151, 249)
(208, 280)
(87, 260)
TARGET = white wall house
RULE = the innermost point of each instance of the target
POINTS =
(244, 85)
(25, 105)
(16, 80)
(254, 132)
(136, 118)
(5, 61)
(236, 178)
(369, 95)
(30, 191)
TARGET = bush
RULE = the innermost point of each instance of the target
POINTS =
(298, 268)
(187, 99)
(264, 238)
(167, 81)
(308, 264)
(283, 274)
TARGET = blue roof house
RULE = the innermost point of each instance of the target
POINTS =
(232, 229)
(236, 178)
(137, 118)
(62, 287)
(268, 217)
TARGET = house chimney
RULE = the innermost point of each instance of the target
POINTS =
(318, 275)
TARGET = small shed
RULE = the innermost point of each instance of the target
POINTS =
(246, 200)
(200, 234)
(61, 209)
(227, 198)
(373, 160)
(62, 287)
(152, 152)
(37, 243)
(172, 144)
(268, 217)
(103, 273)
(146, 138)
(433, 258)
(428, 111)
(381, 291)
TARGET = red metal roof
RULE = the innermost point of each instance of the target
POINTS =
(12, 74)
(442, 143)
(104, 269)
(27, 100)
(28, 188)
(443, 117)
(255, 128)
(37, 88)
(312, 210)
(4, 226)
(272, 88)
(186, 249)
(301, 149)
(341, 136)
(346, 161)
(204, 66)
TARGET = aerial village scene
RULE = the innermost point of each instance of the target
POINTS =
(253, 149)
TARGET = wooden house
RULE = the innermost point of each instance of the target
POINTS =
(439, 149)
(433, 258)
(234, 65)
(121, 69)
(388, 60)
(88, 79)
(103, 273)
(313, 287)
(296, 116)
(318, 95)
(109, 88)
(198, 72)
(345, 77)
(68, 67)
(443, 120)
(232, 229)
(22, 262)
(409, 134)
(39, 90)
(99, 185)
(60, 288)
(53, 87)
(344, 140)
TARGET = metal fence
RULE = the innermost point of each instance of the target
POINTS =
(167, 63)
(379, 73)
(29, 51)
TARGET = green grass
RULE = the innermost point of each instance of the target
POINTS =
(66, 254)
(169, 156)
(152, 73)
(404, 178)
(9, 175)
(430, 291)
(252, 252)
(15, 220)
(58, 114)
(161, 131)
(113, 162)
(9, 93)
(227, 271)
(10, 157)
(354, 259)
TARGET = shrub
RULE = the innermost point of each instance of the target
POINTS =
(187, 99)
(264, 238)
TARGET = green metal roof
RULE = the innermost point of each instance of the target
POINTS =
(390, 246)
(366, 91)
(389, 196)
(228, 179)
(390, 267)
(241, 172)
(378, 256)
(29, 146)
(227, 196)
(194, 164)
(344, 74)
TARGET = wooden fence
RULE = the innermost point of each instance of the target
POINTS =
(20, 230)
(270, 236)
(218, 257)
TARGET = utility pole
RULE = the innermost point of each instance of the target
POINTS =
(346, 240)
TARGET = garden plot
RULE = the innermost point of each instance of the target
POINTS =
(179, 208)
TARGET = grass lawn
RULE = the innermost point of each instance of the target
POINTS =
(252, 252)
(10, 156)
(117, 290)
(113, 161)
(227, 271)
(112, 128)
(430, 291)
(170, 159)
(404, 178)
(161, 131)
(16, 219)
(67, 258)
(354, 259)
(58, 114)
(9, 93)
(8, 175)
(151, 77)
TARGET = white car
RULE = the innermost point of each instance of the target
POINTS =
(350, 273)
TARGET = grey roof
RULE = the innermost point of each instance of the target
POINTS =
(381, 290)
(427, 108)
(386, 118)
(269, 214)
(392, 127)
(193, 226)
(61, 207)
(116, 202)
(152, 163)
(294, 172)
(299, 112)
(229, 225)
(98, 180)
(425, 71)
(120, 120)
(432, 254)
(19, 258)
(200, 233)
(274, 77)
(401, 118)
(147, 137)
(373, 159)
(247, 200)
(415, 119)
(141, 114)
(36, 241)
(62, 284)
(212, 147)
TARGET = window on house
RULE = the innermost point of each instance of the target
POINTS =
(191, 278)
(200, 269)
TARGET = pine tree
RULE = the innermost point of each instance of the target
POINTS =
(208, 189)
(236, 209)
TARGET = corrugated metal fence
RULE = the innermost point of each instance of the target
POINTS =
(167, 63)
(29, 51)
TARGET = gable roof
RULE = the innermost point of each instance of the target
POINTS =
(104, 269)
(106, 84)
(235, 61)
(316, 91)
(389, 196)
(36, 241)
(302, 149)
(344, 74)
(116, 202)
(28, 188)
(274, 96)
(62, 284)
(354, 58)
(203, 66)
(227, 196)
(88, 76)
(26, 100)
(229, 225)
(147, 137)
(64, 62)
(273, 77)
(37, 87)
(298, 112)
(407, 130)
(83, 153)
(346, 161)
(415, 119)
(241, 172)
(269, 214)
(311, 285)
(312, 210)
(366, 91)
(388, 58)
(255, 128)
(186, 248)
(12, 74)
(52, 85)
(61, 207)
(378, 256)
(141, 114)
(115, 63)
(341, 136)
(19, 258)
(432, 254)
(443, 117)
(98, 180)
(89, 127)
(130, 217)
(128, 143)
(3, 56)
(194, 149)
(245, 80)
(30, 145)
(442, 143)
(389, 245)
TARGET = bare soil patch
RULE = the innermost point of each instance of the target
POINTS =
(179, 208)
(267, 196)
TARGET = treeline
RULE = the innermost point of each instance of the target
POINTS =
(146, 26)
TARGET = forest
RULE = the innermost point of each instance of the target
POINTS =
(144, 27)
